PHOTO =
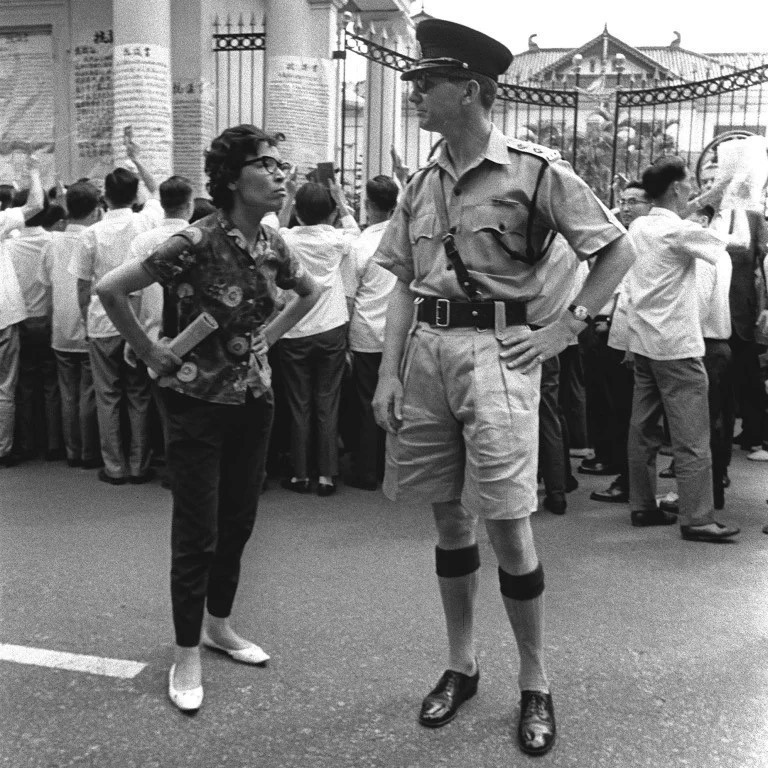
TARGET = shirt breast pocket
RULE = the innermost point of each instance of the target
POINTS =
(503, 227)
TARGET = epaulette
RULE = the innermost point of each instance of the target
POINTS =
(540, 151)
(431, 163)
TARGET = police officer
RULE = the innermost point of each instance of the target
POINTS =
(459, 381)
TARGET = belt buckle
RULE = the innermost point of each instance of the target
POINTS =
(442, 306)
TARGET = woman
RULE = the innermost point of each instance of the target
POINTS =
(313, 352)
(218, 399)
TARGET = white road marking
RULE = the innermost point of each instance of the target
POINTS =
(74, 662)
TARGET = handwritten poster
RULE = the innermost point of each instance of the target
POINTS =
(26, 102)
(94, 106)
(142, 99)
(193, 120)
(298, 99)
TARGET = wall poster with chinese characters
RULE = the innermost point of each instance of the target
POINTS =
(26, 102)
(94, 104)
(193, 121)
(297, 104)
(142, 99)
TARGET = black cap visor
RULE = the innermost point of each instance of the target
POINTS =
(442, 65)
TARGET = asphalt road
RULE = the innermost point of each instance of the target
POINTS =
(657, 648)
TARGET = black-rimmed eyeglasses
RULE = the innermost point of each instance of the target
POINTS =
(268, 164)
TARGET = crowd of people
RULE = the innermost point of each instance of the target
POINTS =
(611, 345)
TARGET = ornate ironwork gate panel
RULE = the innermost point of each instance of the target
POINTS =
(238, 72)
(684, 119)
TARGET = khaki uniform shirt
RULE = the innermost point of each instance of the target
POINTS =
(489, 208)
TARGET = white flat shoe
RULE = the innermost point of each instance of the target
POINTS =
(251, 654)
(186, 701)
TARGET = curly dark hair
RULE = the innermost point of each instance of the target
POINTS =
(224, 160)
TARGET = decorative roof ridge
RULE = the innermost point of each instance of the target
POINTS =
(616, 40)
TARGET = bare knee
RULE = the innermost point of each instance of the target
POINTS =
(455, 528)
(512, 541)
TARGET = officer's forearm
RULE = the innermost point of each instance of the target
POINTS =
(399, 318)
(610, 266)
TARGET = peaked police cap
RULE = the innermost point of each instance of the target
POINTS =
(447, 46)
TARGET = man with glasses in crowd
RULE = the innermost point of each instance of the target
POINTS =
(459, 381)
(609, 375)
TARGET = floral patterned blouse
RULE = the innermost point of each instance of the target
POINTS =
(209, 267)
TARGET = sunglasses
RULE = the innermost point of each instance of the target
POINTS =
(425, 83)
(268, 164)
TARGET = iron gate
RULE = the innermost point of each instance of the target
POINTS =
(238, 72)
(600, 135)
(685, 118)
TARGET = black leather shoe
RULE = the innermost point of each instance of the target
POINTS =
(613, 493)
(105, 478)
(643, 518)
(326, 489)
(298, 486)
(673, 507)
(595, 467)
(555, 503)
(668, 472)
(713, 532)
(571, 484)
(147, 477)
(536, 729)
(442, 703)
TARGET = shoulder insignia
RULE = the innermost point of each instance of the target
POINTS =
(545, 153)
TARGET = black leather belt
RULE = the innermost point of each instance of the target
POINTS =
(445, 313)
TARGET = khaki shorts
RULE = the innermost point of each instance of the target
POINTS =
(470, 426)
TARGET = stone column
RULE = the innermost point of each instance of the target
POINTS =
(142, 82)
(302, 86)
(192, 88)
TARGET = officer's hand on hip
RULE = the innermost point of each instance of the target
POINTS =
(388, 403)
(524, 349)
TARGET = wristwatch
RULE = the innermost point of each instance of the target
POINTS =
(580, 313)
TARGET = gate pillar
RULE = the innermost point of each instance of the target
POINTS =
(301, 79)
(142, 81)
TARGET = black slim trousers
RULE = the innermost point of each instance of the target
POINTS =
(216, 456)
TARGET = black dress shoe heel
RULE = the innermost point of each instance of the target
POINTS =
(614, 493)
(442, 703)
(644, 518)
(536, 728)
(298, 486)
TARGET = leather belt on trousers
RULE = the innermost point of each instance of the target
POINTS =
(444, 313)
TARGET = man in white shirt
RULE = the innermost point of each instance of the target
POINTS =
(12, 312)
(610, 378)
(664, 335)
(103, 247)
(68, 334)
(37, 365)
(369, 292)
